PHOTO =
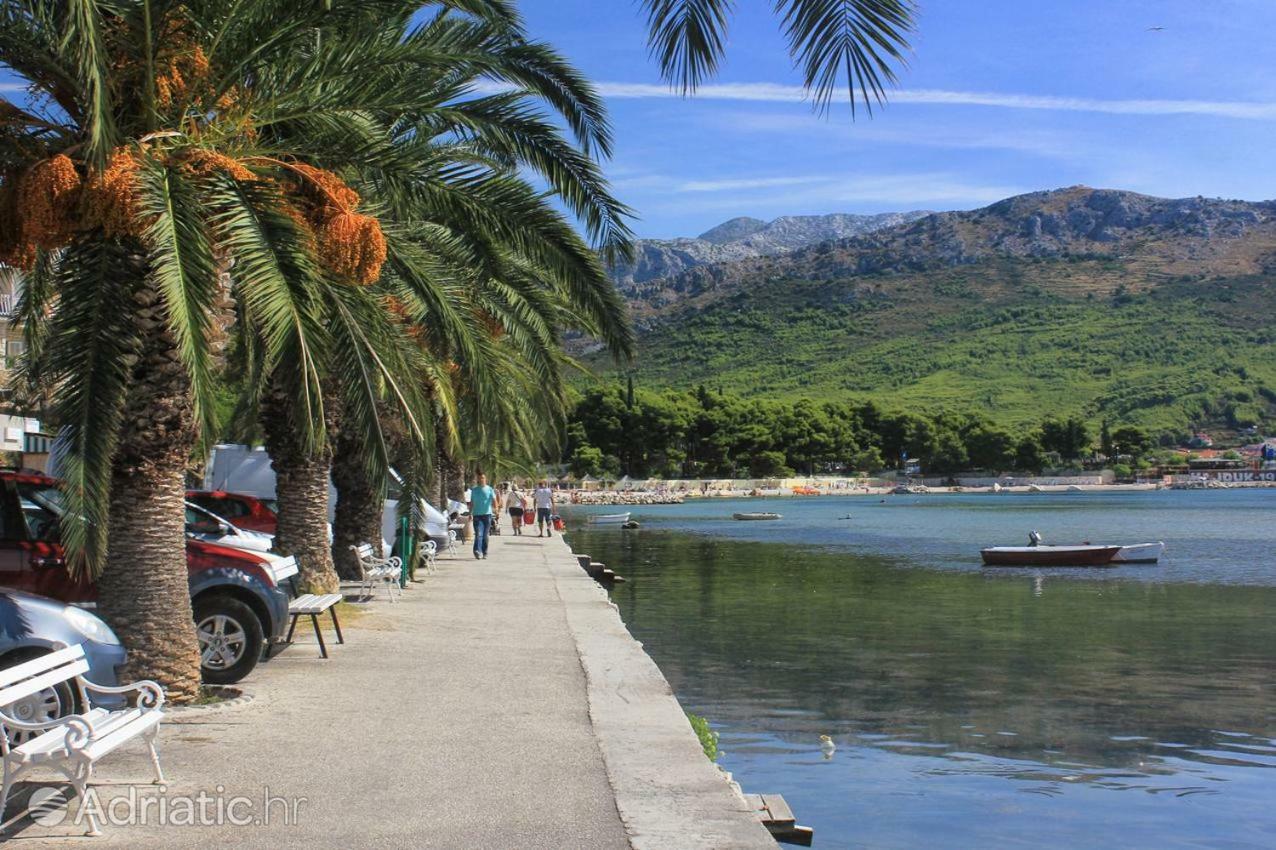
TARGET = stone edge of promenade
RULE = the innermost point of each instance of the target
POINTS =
(667, 793)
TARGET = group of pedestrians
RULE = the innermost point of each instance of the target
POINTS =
(486, 504)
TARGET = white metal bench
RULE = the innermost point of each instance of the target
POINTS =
(306, 605)
(374, 570)
(430, 554)
(73, 744)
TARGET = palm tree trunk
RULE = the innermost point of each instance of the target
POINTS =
(359, 506)
(301, 492)
(451, 481)
(143, 591)
(451, 475)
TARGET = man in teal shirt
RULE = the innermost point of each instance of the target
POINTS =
(482, 506)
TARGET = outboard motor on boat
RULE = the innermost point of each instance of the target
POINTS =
(1034, 538)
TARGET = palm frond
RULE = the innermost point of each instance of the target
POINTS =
(687, 38)
(859, 41)
(92, 346)
(83, 40)
(184, 273)
(277, 283)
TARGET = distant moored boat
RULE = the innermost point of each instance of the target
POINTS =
(609, 519)
(1049, 556)
(756, 515)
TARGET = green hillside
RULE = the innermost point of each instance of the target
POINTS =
(1014, 339)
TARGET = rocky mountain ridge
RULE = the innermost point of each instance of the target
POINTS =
(743, 237)
(1148, 238)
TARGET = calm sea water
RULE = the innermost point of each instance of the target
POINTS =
(1117, 708)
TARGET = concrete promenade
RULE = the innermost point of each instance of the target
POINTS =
(500, 704)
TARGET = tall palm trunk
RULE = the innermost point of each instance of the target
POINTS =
(301, 492)
(451, 473)
(143, 591)
(359, 505)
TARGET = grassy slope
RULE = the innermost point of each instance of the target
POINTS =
(1015, 339)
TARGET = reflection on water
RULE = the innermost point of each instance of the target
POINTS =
(969, 707)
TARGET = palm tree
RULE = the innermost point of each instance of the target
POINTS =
(855, 41)
(473, 249)
(169, 154)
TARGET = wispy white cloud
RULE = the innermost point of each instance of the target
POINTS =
(772, 92)
(1048, 143)
(823, 193)
(744, 183)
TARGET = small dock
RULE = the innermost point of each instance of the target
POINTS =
(778, 818)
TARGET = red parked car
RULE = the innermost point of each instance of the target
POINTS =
(247, 512)
(238, 603)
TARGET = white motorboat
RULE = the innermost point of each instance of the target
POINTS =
(757, 515)
(609, 519)
(1139, 553)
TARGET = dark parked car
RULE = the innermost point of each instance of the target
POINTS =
(241, 511)
(31, 626)
(239, 606)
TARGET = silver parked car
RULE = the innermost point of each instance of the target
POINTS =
(31, 626)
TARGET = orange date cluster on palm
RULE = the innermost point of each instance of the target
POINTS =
(45, 206)
(350, 243)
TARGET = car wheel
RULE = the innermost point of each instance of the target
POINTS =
(230, 639)
(47, 704)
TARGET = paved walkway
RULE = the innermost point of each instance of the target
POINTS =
(501, 704)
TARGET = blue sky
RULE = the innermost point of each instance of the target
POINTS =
(1000, 97)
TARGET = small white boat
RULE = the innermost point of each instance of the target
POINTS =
(1139, 553)
(609, 519)
(756, 515)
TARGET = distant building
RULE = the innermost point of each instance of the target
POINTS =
(11, 342)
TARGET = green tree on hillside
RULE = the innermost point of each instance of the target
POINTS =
(1028, 455)
(1131, 441)
(1069, 438)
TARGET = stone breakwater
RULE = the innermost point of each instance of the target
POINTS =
(625, 497)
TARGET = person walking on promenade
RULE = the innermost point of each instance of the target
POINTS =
(544, 500)
(482, 502)
(514, 504)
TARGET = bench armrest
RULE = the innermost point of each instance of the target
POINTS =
(79, 729)
(150, 694)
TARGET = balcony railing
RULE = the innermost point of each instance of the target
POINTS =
(8, 304)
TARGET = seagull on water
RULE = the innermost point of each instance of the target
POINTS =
(827, 746)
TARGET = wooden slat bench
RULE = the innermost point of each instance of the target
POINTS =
(307, 605)
(312, 605)
(72, 745)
